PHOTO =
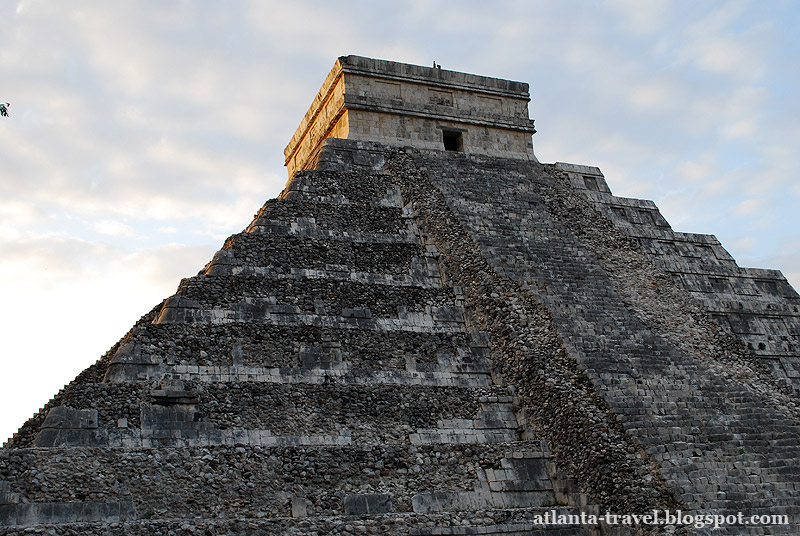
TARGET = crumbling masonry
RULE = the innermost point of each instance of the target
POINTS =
(430, 332)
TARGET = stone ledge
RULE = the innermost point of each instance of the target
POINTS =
(290, 375)
(56, 512)
(367, 504)
(439, 501)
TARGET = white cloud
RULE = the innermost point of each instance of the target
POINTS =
(642, 17)
(660, 95)
(744, 244)
(70, 301)
(700, 169)
(18, 212)
(749, 207)
(113, 228)
(718, 44)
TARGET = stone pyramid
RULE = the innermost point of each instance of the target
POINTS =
(430, 332)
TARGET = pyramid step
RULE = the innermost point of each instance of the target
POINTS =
(247, 479)
(284, 252)
(226, 298)
(341, 217)
(37, 513)
(367, 189)
(309, 294)
(271, 346)
(510, 529)
(324, 375)
(480, 500)
(126, 372)
(423, 318)
(420, 276)
(284, 414)
(185, 437)
(516, 522)
(309, 230)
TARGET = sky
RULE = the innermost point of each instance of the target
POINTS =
(142, 133)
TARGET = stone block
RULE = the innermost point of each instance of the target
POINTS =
(8, 515)
(47, 438)
(367, 504)
(69, 426)
(299, 507)
(64, 417)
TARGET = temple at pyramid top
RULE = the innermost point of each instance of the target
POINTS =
(409, 105)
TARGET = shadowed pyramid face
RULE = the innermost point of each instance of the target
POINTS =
(425, 340)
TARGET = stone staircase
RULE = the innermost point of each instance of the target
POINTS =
(317, 377)
(723, 431)
(758, 305)
(421, 342)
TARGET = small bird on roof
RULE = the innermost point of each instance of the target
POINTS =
(4, 109)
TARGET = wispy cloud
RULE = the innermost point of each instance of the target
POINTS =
(113, 228)
(749, 207)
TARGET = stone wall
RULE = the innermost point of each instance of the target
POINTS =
(395, 129)
(325, 111)
(400, 104)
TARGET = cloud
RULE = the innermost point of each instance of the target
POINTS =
(642, 17)
(70, 300)
(113, 228)
(19, 213)
(749, 207)
(165, 265)
(719, 45)
(700, 169)
(744, 244)
(659, 95)
(47, 260)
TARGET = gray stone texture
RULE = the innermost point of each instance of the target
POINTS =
(410, 105)
(415, 341)
(319, 368)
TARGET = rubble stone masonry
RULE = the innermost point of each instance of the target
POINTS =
(418, 340)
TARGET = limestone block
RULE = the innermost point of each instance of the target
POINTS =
(6, 496)
(442, 501)
(64, 417)
(26, 514)
(367, 504)
(68, 426)
(299, 507)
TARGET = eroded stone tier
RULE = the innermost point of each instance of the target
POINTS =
(408, 105)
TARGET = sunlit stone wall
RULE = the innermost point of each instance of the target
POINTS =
(401, 104)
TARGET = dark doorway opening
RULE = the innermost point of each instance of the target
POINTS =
(453, 140)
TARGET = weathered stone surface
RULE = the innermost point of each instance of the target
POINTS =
(409, 105)
(417, 341)
(367, 503)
